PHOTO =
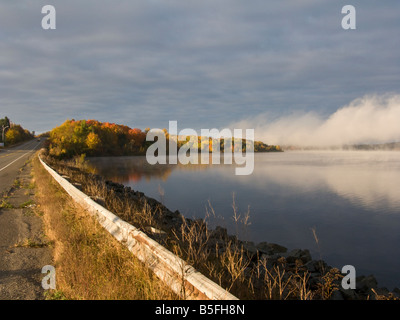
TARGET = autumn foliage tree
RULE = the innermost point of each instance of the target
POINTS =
(92, 137)
(17, 134)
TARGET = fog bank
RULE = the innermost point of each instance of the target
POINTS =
(366, 120)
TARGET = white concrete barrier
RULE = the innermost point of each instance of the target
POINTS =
(182, 278)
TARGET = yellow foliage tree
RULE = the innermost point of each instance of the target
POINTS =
(12, 136)
(93, 141)
(17, 134)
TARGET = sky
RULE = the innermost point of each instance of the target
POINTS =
(206, 64)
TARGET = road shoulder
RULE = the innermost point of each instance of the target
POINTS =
(24, 249)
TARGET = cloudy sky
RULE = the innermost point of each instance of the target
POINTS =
(206, 64)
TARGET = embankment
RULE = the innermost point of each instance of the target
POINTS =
(89, 263)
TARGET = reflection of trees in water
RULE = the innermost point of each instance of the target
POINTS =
(136, 168)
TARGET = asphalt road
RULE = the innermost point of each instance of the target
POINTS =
(12, 159)
(22, 250)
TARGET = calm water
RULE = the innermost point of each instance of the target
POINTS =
(352, 199)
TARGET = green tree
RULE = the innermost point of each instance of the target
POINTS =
(5, 122)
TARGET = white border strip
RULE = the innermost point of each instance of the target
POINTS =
(182, 278)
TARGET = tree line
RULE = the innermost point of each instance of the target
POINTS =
(95, 138)
(12, 133)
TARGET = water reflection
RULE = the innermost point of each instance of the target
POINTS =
(134, 169)
(367, 184)
(367, 179)
(129, 169)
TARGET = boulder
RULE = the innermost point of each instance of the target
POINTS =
(270, 248)
(365, 283)
(348, 294)
(219, 233)
(321, 266)
(381, 293)
(264, 248)
(310, 266)
(337, 295)
(250, 247)
(298, 254)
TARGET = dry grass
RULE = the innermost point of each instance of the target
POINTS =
(90, 263)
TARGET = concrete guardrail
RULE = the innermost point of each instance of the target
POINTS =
(182, 278)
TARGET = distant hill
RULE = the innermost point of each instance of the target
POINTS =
(392, 146)
(380, 146)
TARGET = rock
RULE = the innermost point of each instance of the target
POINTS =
(337, 295)
(349, 294)
(219, 233)
(264, 247)
(298, 254)
(101, 201)
(214, 243)
(250, 247)
(269, 257)
(155, 231)
(169, 214)
(365, 283)
(77, 185)
(232, 238)
(321, 266)
(270, 248)
(314, 279)
(268, 261)
(382, 292)
(133, 197)
(310, 266)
